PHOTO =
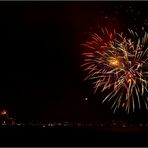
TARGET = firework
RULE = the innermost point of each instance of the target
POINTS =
(115, 62)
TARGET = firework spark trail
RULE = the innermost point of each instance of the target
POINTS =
(115, 62)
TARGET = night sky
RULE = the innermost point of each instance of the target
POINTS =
(40, 50)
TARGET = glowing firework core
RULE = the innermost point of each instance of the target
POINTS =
(114, 62)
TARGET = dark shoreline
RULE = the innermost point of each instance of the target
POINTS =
(73, 136)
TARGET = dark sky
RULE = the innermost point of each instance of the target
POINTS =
(41, 56)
